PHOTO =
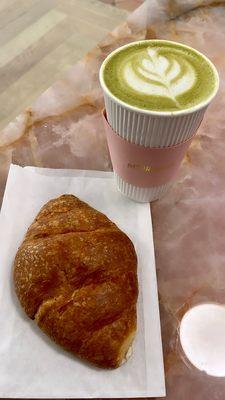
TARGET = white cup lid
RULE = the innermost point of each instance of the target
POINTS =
(202, 337)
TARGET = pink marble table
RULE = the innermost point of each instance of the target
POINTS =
(63, 129)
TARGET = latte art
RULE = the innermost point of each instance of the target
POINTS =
(159, 75)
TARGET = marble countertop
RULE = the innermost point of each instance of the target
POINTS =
(63, 129)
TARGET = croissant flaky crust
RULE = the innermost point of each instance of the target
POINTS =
(76, 275)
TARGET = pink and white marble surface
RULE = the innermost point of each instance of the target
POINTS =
(63, 129)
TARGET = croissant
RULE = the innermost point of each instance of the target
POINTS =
(75, 274)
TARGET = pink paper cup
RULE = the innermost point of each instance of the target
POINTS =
(147, 147)
(142, 166)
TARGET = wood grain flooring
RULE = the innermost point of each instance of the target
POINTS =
(41, 39)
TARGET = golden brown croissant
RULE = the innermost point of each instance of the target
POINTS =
(76, 275)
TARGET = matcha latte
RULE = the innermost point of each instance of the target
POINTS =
(160, 76)
(156, 93)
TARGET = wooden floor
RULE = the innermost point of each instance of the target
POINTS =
(41, 39)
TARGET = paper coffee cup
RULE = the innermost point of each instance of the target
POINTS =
(150, 129)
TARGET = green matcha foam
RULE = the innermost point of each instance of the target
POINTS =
(160, 75)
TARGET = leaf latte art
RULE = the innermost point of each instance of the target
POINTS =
(159, 75)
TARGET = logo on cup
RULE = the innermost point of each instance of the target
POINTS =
(145, 168)
(148, 168)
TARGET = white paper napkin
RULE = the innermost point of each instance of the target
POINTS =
(31, 365)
